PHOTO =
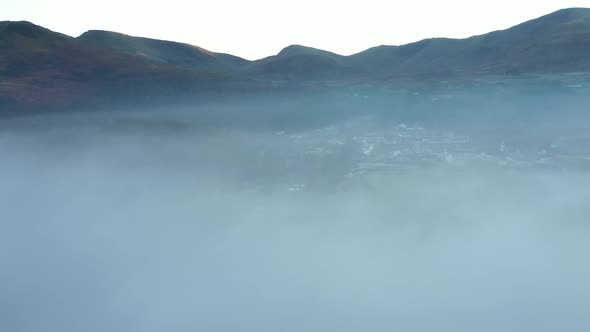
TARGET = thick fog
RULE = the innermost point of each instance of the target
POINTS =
(159, 221)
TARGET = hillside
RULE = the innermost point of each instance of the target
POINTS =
(41, 68)
(558, 42)
(554, 43)
(178, 54)
(298, 62)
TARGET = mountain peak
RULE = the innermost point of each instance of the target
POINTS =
(573, 10)
(296, 50)
(563, 16)
(98, 34)
(25, 29)
(126, 42)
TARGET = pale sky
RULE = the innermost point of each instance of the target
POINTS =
(258, 28)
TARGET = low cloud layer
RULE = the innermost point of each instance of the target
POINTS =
(147, 225)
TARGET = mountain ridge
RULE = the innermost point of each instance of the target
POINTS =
(39, 67)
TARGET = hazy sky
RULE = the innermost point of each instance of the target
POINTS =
(258, 28)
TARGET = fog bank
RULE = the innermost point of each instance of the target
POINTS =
(136, 223)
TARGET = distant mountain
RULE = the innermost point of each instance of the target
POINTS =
(41, 68)
(558, 42)
(298, 62)
(178, 54)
